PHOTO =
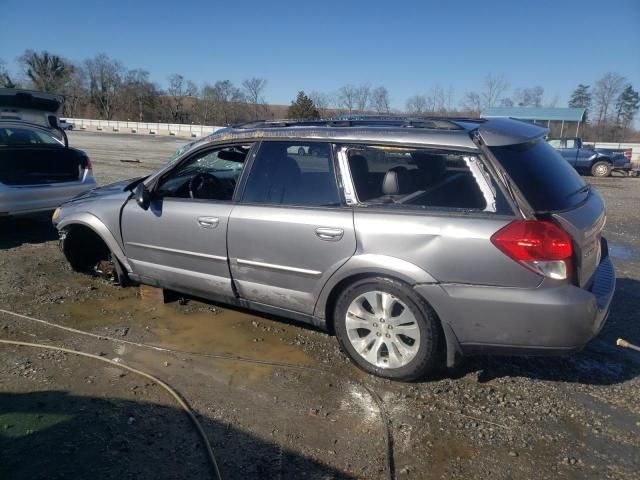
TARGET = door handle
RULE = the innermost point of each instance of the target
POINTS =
(208, 222)
(330, 234)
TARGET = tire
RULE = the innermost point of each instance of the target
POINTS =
(406, 356)
(301, 151)
(601, 169)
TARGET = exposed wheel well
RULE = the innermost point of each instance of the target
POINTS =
(83, 247)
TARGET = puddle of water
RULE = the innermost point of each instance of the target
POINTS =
(196, 327)
(621, 251)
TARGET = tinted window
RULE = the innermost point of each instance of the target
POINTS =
(410, 178)
(210, 175)
(293, 173)
(546, 180)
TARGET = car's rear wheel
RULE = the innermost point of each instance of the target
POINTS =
(387, 329)
(601, 169)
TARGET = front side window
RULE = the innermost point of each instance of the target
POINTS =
(293, 173)
(422, 179)
(208, 175)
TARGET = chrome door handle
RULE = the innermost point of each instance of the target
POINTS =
(208, 222)
(330, 234)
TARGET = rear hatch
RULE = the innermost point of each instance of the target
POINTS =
(554, 190)
(40, 108)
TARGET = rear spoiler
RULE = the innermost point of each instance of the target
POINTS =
(508, 131)
(28, 105)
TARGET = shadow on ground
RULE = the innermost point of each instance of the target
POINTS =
(55, 435)
(15, 232)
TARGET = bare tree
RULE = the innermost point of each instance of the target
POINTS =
(348, 98)
(105, 83)
(228, 100)
(471, 102)
(5, 78)
(322, 101)
(417, 104)
(362, 94)
(495, 87)
(438, 99)
(254, 92)
(75, 92)
(528, 97)
(380, 100)
(139, 93)
(605, 92)
(178, 90)
(47, 72)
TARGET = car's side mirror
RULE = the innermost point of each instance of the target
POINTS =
(142, 196)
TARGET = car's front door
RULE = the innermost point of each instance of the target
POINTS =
(180, 241)
(291, 231)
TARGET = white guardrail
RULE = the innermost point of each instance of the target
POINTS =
(147, 128)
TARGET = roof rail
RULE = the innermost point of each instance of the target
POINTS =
(437, 123)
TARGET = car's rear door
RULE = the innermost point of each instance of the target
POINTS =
(291, 231)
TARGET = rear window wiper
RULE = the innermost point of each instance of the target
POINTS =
(584, 188)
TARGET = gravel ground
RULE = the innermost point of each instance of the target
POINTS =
(501, 417)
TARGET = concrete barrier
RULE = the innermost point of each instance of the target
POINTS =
(117, 126)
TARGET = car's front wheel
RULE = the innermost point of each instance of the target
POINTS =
(601, 169)
(387, 329)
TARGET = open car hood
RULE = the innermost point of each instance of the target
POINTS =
(30, 106)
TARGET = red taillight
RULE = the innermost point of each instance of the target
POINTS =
(627, 154)
(89, 164)
(539, 245)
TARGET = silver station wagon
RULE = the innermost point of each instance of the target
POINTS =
(415, 241)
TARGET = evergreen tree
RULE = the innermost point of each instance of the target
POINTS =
(627, 106)
(303, 108)
(581, 98)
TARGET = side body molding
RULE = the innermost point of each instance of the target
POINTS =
(371, 264)
(94, 223)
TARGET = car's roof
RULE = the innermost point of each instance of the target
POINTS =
(435, 131)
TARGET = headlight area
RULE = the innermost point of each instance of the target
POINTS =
(56, 214)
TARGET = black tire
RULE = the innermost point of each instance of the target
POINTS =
(426, 358)
(601, 168)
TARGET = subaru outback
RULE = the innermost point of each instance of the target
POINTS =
(415, 241)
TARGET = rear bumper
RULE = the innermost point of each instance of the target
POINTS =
(626, 167)
(548, 320)
(29, 199)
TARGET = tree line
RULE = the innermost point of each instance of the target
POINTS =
(101, 87)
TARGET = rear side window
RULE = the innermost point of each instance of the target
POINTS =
(293, 173)
(546, 179)
(421, 179)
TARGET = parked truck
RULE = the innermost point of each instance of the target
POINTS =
(588, 160)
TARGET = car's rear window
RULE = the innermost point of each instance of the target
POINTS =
(546, 179)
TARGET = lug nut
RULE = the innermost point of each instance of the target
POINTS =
(375, 324)
(378, 334)
(389, 327)
(387, 335)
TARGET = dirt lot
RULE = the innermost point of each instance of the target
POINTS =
(291, 406)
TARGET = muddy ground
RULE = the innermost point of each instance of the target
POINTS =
(292, 406)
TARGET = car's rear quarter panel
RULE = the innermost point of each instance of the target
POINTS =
(452, 249)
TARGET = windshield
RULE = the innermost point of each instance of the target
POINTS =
(546, 179)
(21, 136)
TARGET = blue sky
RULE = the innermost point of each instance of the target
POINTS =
(406, 46)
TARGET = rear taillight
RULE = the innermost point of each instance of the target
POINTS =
(627, 154)
(538, 245)
(89, 164)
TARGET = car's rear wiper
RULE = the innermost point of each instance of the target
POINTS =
(584, 188)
